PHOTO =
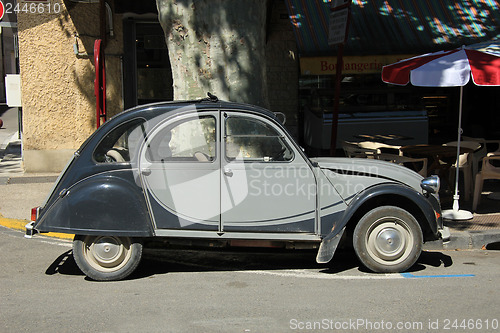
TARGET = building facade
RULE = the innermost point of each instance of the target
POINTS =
(57, 66)
(56, 47)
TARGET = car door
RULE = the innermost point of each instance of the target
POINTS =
(180, 171)
(266, 184)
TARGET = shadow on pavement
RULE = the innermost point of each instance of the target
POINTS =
(434, 259)
(3, 108)
(161, 261)
(493, 246)
(64, 264)
(10, 158)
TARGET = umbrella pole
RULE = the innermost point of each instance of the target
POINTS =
(455, 213)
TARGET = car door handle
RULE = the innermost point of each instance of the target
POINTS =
(146, 172)
(228, 172)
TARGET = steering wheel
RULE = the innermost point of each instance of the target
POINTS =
(278, 156)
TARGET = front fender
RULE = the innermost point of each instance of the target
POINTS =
(109, 203)
(388, 191)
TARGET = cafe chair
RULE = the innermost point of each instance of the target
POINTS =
(492, 146)
(466, 161)
(487, 146)
(419, 165)
(488, 171)
(353, 149)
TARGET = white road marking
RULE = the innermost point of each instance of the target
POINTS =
(39, 238)
(60, 243)
(298, 273)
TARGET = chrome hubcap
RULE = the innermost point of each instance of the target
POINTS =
(106, 249)
(107, 253)
(389, 240)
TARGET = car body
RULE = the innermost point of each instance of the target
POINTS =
(214, 172)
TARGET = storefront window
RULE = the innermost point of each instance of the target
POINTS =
(359, 93)
(368, 106)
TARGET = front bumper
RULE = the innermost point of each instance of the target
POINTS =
(445, 234)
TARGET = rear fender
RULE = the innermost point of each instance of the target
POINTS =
(106, 204)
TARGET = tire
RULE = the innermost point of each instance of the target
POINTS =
(388, 239)
(106, 258)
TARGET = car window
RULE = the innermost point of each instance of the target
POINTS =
(250, 139)
(120, 143)
(189, 140)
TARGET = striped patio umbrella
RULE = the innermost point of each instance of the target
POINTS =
(450, 69)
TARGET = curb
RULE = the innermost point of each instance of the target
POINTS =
(481, 239)
(20, 225)
(466, 240)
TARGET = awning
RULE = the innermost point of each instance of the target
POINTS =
(396, 26)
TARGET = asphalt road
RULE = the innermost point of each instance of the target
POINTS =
(42, 290)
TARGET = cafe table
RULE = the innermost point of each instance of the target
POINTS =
(383, 138)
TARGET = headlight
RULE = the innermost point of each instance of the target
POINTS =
(431, 184)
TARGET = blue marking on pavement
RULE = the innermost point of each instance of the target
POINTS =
(411, 276)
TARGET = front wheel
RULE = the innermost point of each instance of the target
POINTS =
(388, 239)
(106, 258)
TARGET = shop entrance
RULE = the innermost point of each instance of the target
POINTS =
(147, 74)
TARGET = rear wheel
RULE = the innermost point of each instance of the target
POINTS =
(106, 258)
(388, 239)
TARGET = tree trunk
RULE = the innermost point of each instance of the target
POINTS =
(217, 46)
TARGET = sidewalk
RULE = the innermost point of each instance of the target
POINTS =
(19, 192)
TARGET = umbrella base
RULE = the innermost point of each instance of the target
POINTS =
(457, 215)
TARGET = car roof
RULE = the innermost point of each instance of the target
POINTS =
(172, 107)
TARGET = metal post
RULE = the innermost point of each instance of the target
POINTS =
(336, 101)
(102, 22)
(455, 213)
(338, 81)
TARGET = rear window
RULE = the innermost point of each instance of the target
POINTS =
(120, 143)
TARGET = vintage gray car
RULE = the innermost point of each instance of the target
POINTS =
(216, 173)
